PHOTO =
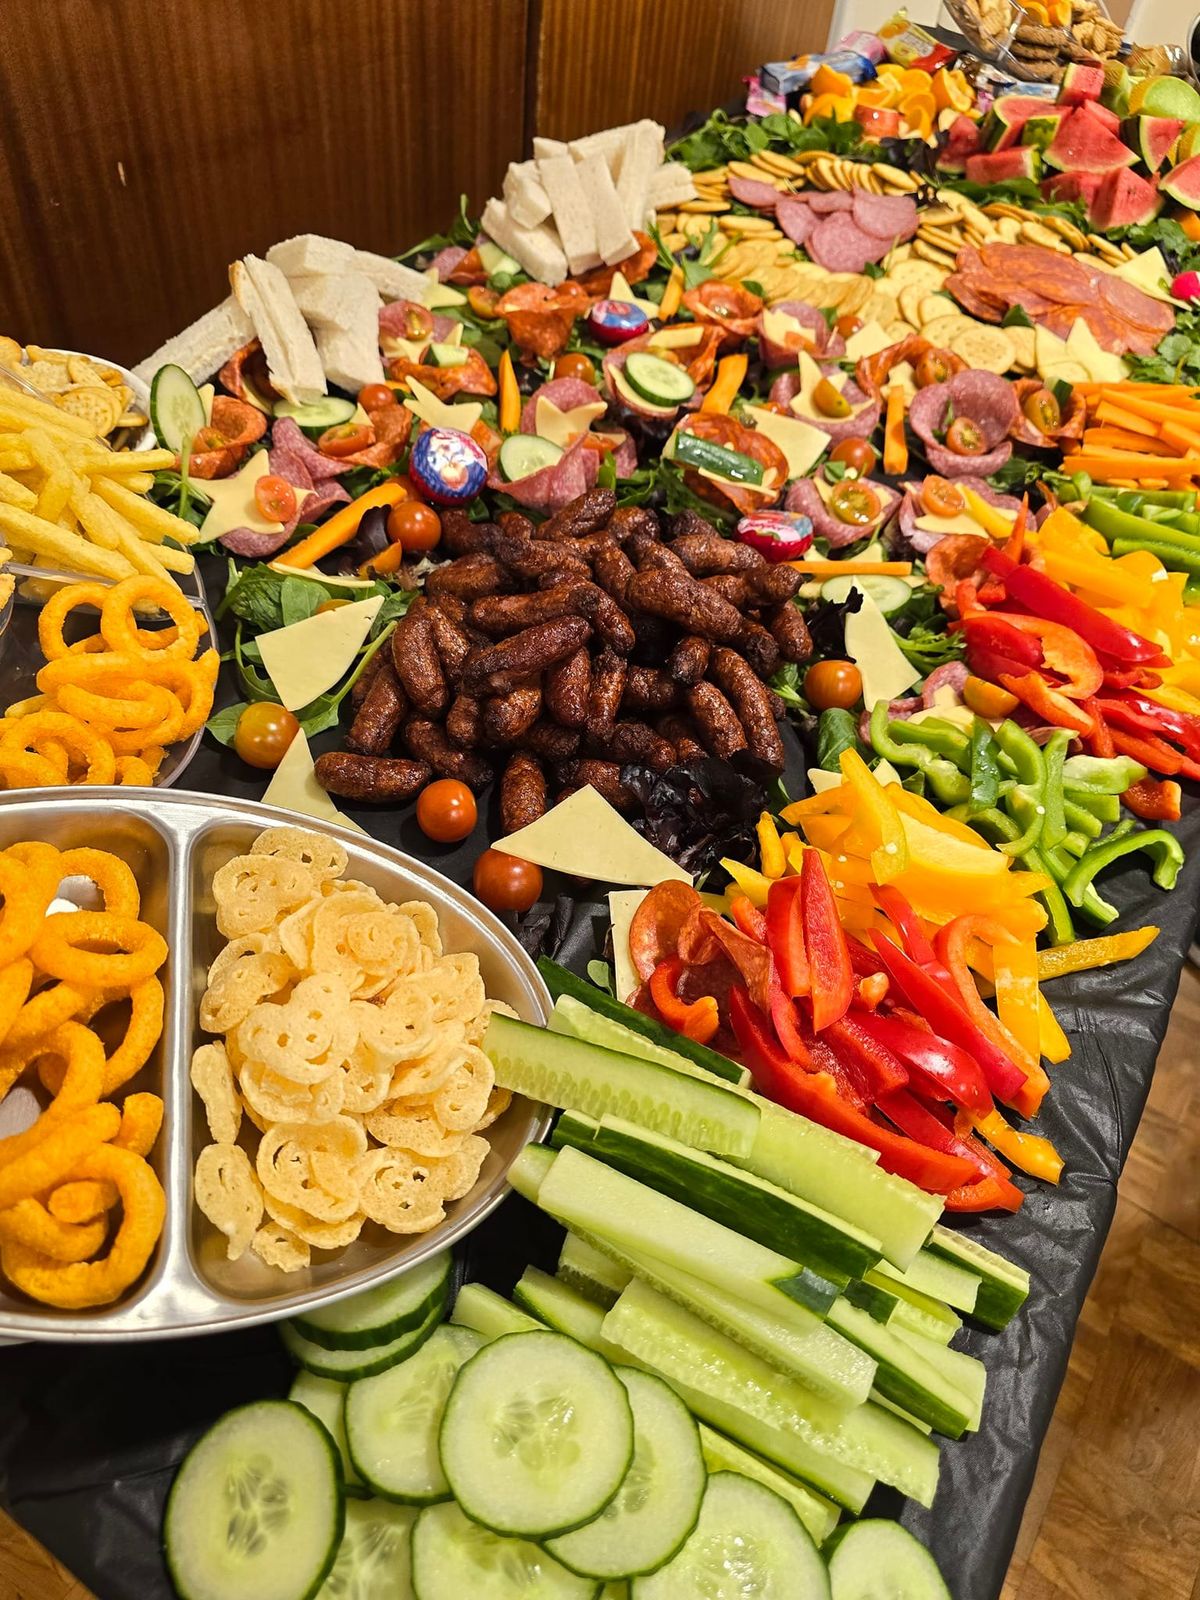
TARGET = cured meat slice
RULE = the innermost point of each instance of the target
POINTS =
(835, 200)
(555, 486)
(1024, 431)
(947, 465)
(911, 508)
(885, 216)
(564, 393)
(839, 245)
(1133, 305)
(796, 217)
(776, 353)
(986, 400)
(860, 426)
(733, 435)
(749, 192)
(805, 497)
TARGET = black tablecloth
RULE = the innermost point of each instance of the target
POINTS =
(90, 1436)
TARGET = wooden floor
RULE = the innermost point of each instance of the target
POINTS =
(1115, 1508)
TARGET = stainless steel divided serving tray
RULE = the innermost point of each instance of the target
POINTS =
(175, 842)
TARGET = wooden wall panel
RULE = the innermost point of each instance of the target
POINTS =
(148, 143)
(603, 62)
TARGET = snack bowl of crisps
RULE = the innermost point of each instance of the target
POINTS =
(110, 397)
(329, 1119)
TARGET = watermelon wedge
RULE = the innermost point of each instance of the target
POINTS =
(961, 140)
(1069, 186)
(1123, 200)
(1002, 126)
(1082, 81)
(1154, 138)
(1083, 145)
(998, 166)
(1106, 118)
(1182, 183)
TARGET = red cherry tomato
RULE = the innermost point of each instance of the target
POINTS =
(847, 325)
(415, 527)
(446, 811)
(855, 503)
(346, 439)
(263, 733)
(1043, 410)
(275, 499)
(575, 365)
(965, 438)
(831, 684)
(856, 454)
(936, 366)
(506, 883)
(941, 498)
(375, 396)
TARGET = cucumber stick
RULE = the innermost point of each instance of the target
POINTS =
(1003, 1286)
(936, 1277)
(577, 1076)
(590, 1271)
(905, 1373)
(488, 1313)
(556, 1305)
(865, 1440)
(585, 1195)
(572, 1017)
(956, 1367)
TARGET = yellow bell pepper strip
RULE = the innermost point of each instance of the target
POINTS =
(1052, 1041)
(890, 856)
(753, 884)
(510, 395)
(772, 860)
(343, 524)
(1015, 966)
(731, 373)
(1029, 1151)
(1085, 954)
(993, 522)
(672, 295)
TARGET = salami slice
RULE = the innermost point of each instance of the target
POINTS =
(814, 336)
(911, 508)
(805, 497)
(749, 192)
(287, 437)
(564, 393)
(730, 307)
(445, 262)
(826, 204)
(886, 216)
(598, 282)
(985, 399)
(839, 245)
(950, 675)
(860, 426)
(472, 376)
(406, 319)
(1135, 306)
(947, 465)
(796, 217)
(555, 486)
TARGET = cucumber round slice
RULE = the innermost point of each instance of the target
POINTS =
(176, 409)
(377, 1316)
(256, 1509)
(374, 1561)
(392, 1420)
(657, 1505)
(661, 382)
(348, 1365)
(537, 1435)
(453, 1558)
(889, 594)
(522, 454)
(327, 412)
(877, 1560)
(748, 1541)
(326, 1400)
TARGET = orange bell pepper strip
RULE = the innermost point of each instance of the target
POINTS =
(343, 524)
(895, 445)
(725, 387)
(672, 295)
(698, 1020)
(1085, 954)
(510, 395)
(772, 860)
(1029, 1151)
(951, 944)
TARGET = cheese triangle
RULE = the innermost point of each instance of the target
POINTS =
(232, 499)
(423, 403)
(583, 835)
(620, 290)
(307, 658)
(564, 427)
(294, 787)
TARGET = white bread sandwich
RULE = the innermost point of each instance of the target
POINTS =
(265, 295)
(204, 346)
(537, 249)
(350, 352)
(309, 253)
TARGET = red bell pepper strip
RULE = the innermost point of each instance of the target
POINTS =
(938, 1068)
(865, 962)
(748, 918)
(1136, 714)
(1154, 801)
(785, 935)
(698, 1020)
(918, 1122)
(861, 1051)
(1048, 599)
(1063, 652)
(908, 925)
(952, 942)
(946, 1016)
(787, 1030)
(1100, 739)
(994, 631)
(1149, 750)
(831, 976)
(814, 1095)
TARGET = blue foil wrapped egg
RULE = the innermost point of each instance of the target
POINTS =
(448, 466)
(615, 321)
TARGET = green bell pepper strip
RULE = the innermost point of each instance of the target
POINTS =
(1163, 847)
(1175, 556)
(1101, 808)
(1029, 814)
(1074, 843)
(992, 821)
(1083, 775)
(1025, 755)
(943, 738)
(985, 767)
(1080, 820)
(1054, 754)
(949, 785)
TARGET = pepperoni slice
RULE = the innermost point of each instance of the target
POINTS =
(248, 366)
(469, 270)
(597, 283)
(472, 376)
(950, 560)
(733, 435)
(540, 318)
(392, 425)
(237, 425)
(657, 924)
(727, 306)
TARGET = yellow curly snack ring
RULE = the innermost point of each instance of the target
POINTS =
(134, 773)
(16, 979)
(58, 608)
(58, 1153)
(19, 769)
(26, 896)
(31, 1224)
(141, 1035)
(58, 949)
(168, 730)
(143, 706)
(141, 1119)
(47, 1010)
(119, 626)
(86, 745)
(111, 874)
(82, 1082)
(95, 1283)
(92, 671)
(81, 1200)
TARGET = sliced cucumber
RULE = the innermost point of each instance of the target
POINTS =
(658, 1502)
(393, 1419)
(662, 383)
(584, 1268)
(822, 1359)
(556, 1305)
(904, 1373)
(488, 1313)
(496, 260)
(739, 1199)
(536, 1436)
(523, 454)
(374, 1560)
(963, 1371)
(624, 391)
(693, 451)
(748, 1541)
(562, 982)
(1003, 1287)
(176, 409)
(889, 594)
(936, 1277)
(256, 1509)
(573, 1017)
(326, 1400)
(876, 1560)
(377, 1316)
(455, 1559)
(915, 1310)
(328, 412)
(594, 1199)
(818, 1515)
(348, 1365)
(674, 1342)
(584, 1077)
(447, 355)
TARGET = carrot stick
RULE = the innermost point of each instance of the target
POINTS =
(1181, 438)
(1118, 439)
(510, 396)
(672, 295)
(1122, 417)
(1157, 410)
(895, 446)
(343, 525)
(853, 568)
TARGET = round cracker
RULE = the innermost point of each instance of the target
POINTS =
(933, 307)
(1024, 343)
(986, 349)
(96, 404)
(915, 272)
(855, 296)
(944, 330)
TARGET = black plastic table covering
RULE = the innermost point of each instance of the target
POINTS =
(91, 1435)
